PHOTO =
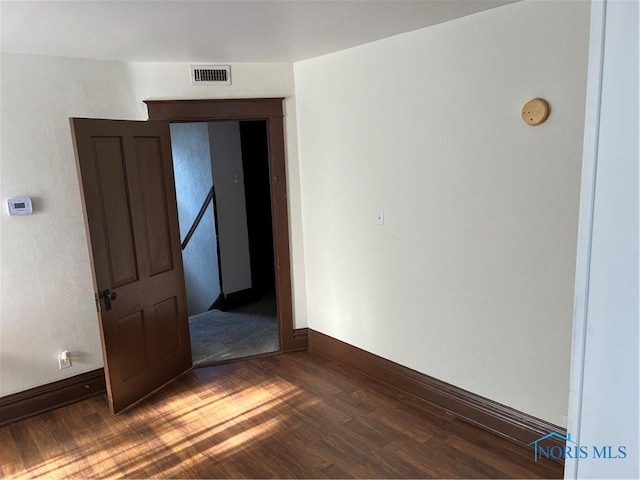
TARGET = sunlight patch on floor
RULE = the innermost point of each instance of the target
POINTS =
(198, 426)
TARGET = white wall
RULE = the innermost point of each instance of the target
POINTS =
(231, 208)
(46, 295)
(192, 172)
(605, 365)
(470, 280)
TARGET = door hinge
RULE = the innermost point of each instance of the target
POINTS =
(97, 300)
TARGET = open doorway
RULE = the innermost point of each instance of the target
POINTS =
(224, 210)
(271, 111)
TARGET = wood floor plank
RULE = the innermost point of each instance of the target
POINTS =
(10, 453)
(28, 453)
(335, 471)
(289, 416)
(420, 459)
(300, 451)
(487, 456)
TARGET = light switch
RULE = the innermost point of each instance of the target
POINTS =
(379, 217)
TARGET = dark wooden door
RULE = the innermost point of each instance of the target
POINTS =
(129, 194)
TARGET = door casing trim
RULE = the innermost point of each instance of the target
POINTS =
(270, 110)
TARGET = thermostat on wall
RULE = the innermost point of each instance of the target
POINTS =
(20, 206)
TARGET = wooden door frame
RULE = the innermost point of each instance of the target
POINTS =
(271, 111)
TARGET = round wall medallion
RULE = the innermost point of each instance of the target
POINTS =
(535, 111)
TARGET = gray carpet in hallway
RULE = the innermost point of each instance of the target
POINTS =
(249, 330)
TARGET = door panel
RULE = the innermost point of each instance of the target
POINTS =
(168, 327)
(153, 195)
(110, 166)
(127, 181)
(131, 339)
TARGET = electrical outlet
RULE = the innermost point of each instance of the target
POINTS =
(64, 359)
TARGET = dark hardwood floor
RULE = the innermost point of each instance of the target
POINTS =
(287, 416)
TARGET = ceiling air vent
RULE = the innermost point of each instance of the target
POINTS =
(210, 75)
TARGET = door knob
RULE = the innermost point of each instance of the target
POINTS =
(109, 297)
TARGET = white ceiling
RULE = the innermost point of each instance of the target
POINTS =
(215, 31)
